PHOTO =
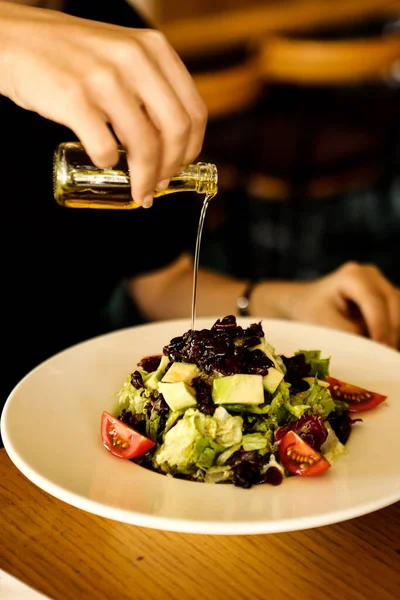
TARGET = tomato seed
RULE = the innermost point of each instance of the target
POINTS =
(299, 458)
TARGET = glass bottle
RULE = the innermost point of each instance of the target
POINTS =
(78, 183)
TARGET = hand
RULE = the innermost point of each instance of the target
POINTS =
(355, 298)
(88, 75)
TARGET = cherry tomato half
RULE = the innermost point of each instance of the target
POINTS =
(357, 398)
(121, 440)
(299, 458)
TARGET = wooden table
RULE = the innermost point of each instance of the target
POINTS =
(69, 554)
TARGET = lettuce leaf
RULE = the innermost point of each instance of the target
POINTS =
(319, 367)
(256, 441)
(195, 441)
(319, 399)
(132, 399)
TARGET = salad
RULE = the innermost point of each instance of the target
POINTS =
(220, 405)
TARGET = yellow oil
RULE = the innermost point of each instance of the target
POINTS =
(108, 190)
(202, 217)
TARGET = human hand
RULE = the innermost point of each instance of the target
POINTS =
(356, 298)
(88, 75)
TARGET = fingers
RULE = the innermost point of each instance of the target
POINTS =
(134, 130)
(90, 126)
(169, 118)
(177, 76)
(154, 109)
(375, 297)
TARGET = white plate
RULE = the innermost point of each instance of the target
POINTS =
(51, 431)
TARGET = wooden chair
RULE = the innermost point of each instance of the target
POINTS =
(319, 73)
(316, 73)
(279, 58)
(230, 90)
(316, 62)
(219, 30)
(316, 68)
(283, 52)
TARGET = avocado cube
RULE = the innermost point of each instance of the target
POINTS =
(272, 379)
(238, 389)
(178, 395)
(153, 379)
(181, 372)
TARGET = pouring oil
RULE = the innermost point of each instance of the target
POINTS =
(78, 183)
(197, 255)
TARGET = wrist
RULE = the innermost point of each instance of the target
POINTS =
(243, 301)
(276, 299)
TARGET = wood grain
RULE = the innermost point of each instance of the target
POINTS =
(70, 554)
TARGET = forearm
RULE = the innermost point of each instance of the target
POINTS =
(278, 299)
(167, 294)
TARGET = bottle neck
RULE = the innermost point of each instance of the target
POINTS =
(200, 177)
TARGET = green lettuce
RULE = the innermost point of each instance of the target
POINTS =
(281, 406)
(229, 429)
(319, 367)
(316, 400)
(256, 441)
(132, 399)
(196, 439)
(226, 454)
(319, 399)
(204, 453)
(218, 474)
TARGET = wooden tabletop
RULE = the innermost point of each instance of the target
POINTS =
(66, 553)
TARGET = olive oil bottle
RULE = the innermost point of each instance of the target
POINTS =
(78, 183)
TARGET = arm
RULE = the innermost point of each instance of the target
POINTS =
(167, 293)
(355, 298)
(88, 75)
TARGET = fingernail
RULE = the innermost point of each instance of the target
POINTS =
(148, 202)
(162, 185)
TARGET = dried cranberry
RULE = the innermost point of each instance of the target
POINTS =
(250, 341)
(273, 476)
(150, 363)
(228, 322)
(246, 474)
(137, 380)
(223, 348)
(341, 425)
(255, 329)
(205, 402)
(231, 365)
(256, 362)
